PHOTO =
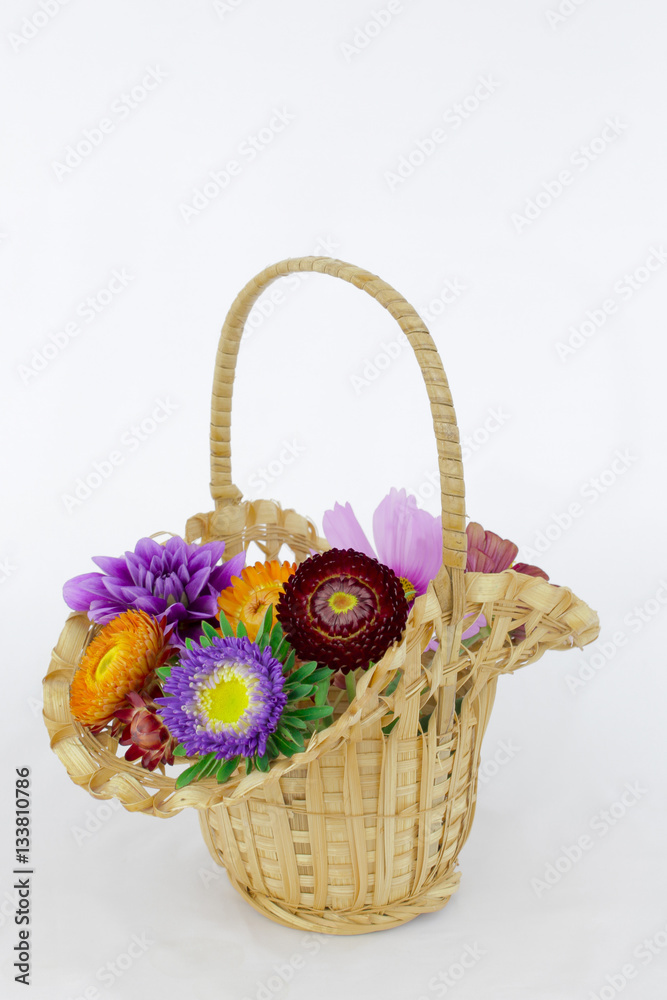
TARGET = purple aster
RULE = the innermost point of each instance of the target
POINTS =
(176, 580)
(407, 539)
(226, 698)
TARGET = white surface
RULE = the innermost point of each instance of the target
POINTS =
(322, 180)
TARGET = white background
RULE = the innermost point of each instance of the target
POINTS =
(357, 101)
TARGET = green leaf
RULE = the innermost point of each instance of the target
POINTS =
(291, 720)
(204, 642)
(196, 771)
(241, 631)
(298, 691)
(225, 627)
(390, 725)
(248, 765)
(316, 712)
(284, 745)
(211, 767)
(262, 763)
(321, 674)
(292, 736)
(304, 671)
(226, 769)
(322, 691)
(264, 634)
(180, 751)
(424, 721)
(289, 662)
(283, 650)
(185, 777)
(393, 683)
(276, 637)
(164, 672)
(482, 634)
(457, 705)
(209, 631)
(189, 644)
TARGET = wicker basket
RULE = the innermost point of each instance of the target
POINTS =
(361, 831)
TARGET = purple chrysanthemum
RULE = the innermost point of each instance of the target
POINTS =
(178, 581)
(226, 698)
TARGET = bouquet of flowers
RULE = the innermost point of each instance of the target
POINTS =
(233, 666)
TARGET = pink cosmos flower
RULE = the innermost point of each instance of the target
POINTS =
(407, 539)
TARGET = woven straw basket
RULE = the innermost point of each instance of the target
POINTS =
(361, 831)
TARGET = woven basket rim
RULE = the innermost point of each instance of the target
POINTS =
(91, 762)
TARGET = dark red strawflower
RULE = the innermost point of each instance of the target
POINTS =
(144, 733)
(343, 609)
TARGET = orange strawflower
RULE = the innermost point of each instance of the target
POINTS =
(250, 595)
(117, 661)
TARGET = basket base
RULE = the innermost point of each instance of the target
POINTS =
(331, 922)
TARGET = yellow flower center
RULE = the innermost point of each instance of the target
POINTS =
(254, 609)
(340, 602)
(409, 589)
(106, 662)
(228, 698)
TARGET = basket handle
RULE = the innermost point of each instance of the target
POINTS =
(223, 491)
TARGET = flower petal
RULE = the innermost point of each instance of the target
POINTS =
(196, 583)
(343, 531)
(474, 628)
(408, 540)
(114, 567)
(530, 570)
(488, 552)
(80, 591)
(221, 575)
